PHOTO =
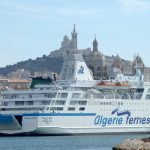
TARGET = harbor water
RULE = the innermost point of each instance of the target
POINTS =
(86, 142)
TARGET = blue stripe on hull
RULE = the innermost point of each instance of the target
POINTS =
(6, 119)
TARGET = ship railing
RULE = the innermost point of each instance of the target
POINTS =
(30, 95)
(124, 96)
(112, 96)
(77, 83)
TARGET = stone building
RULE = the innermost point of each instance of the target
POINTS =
(114, 66)
(14, 84)
(102, 66)
(96, 61)
(69, 46)
(118, 63)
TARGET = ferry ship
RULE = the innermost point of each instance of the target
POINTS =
(77, 104)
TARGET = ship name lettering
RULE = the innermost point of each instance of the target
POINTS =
(103, 121)
(137, 120)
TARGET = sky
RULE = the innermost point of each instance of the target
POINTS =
(32, 28)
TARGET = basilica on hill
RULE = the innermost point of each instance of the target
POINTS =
(101, 65)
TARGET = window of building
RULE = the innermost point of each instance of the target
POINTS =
(5, 103)
(107, 103)
(56, 108)
(78, 102)
(60, 102)
(64, 95)
(45, 102)
(81, 108)
(29, 102)
(75, 95)
(71, 108)
(147, 97)
(51, 95)
(19, 103)
(140, 90)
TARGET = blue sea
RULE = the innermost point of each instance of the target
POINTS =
(86, 142)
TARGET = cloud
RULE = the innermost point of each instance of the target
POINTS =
(135, 6)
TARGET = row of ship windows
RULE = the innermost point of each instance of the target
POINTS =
(50, 95)
(73, 102)
(46, 102)
(74, 95)
(21, 109)
(61, 95)
(114, 103)
(37, 109)
(61, 108)
(137, 104)
(87, 96)
(104, 103)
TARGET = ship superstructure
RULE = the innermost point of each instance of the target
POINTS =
(77, 104)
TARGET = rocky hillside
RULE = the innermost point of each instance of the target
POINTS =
(44, 63)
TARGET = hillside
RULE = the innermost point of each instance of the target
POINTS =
(44, 63)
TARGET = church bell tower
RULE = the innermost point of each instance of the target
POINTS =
(95, 45)
(74, 38)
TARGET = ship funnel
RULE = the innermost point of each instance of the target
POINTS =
(74, 68)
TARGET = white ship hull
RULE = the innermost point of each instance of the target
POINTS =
(81, 123)
(78, 106)
(74, 131)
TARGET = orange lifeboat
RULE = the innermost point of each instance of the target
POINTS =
(105, 83)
